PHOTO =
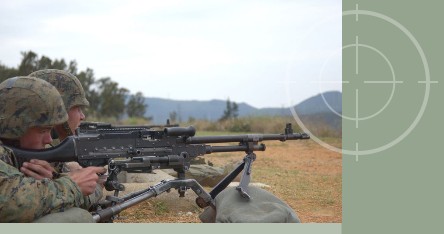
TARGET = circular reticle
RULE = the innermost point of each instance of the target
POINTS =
(393, 81)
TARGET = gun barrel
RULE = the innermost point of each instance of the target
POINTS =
(245, 138)
(234, 148)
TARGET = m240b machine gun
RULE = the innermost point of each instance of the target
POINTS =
(143, 149)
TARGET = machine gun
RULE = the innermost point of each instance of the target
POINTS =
(142, 150)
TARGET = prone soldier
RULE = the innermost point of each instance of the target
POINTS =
(29, 108)
(74, 99)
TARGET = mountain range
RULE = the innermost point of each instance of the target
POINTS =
(159, 109)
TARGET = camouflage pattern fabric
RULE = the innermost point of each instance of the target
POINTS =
(60, 167)
(18, 95)
(72, 215)
(24, 199)
(67, 84)
(69, 88)
(94, 198)
(7, 156)
(263, 207)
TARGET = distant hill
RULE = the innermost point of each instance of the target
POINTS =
(212, 110)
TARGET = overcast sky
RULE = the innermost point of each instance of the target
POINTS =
(265, 53)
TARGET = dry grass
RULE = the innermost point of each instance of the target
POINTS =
(305, 175)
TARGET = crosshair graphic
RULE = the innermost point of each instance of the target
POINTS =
(391, 81)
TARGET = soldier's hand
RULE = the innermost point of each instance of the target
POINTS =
(38, 169)
(86, 178)
(72, 166)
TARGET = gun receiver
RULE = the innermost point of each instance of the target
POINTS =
(142, 149)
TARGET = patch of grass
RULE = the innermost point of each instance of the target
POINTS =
(160, 208)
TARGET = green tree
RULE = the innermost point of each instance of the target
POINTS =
(112, 98)
(105, 96)
(7, 72)
(88, 82)
(231, 111)
(43, 63)
(72, 67)
(28, 64)
(234, 110)
(59, 64)
(136, 106)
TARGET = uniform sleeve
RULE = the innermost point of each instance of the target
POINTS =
(93, 198)
(24, 199)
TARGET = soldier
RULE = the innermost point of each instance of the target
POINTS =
(73, 97)
(29, 108)
(74, 100)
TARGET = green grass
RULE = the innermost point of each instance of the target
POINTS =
(160, 207)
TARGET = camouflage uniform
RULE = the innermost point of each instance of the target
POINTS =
(24, 199)
(27, 102)
(73, 95)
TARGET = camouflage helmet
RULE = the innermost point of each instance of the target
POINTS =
(27, 102)
(67, 84)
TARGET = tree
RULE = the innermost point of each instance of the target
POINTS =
(43, 63)
(231, 111)
(88, 82)
(234, 110)
(28, 64)
(59, 64)
(136, 106)
(112, 98)
(105, 96)
(7, 72)
(72, 68)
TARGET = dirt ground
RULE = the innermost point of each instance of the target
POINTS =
(307, 176)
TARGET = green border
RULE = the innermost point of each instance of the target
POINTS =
(174, 228)
(399, 189)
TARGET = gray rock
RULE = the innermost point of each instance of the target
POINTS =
(206, 175)
(156, 176)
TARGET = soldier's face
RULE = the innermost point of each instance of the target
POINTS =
(36, 138)
(75, 115)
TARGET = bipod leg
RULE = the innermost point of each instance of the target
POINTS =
(246, 175)
(226, 181)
